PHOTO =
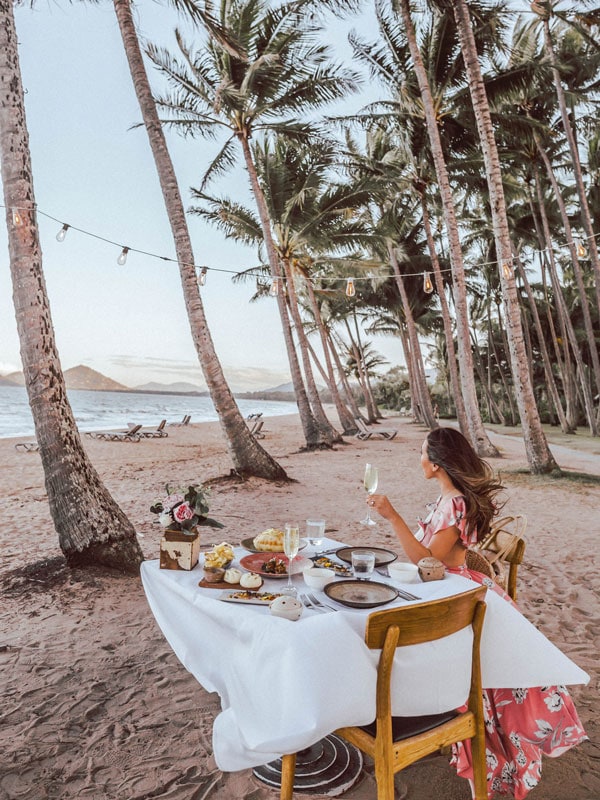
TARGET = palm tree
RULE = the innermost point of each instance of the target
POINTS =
(91, 527)
(476, 432)
(248, 456)
(260, 68)
(538, 453)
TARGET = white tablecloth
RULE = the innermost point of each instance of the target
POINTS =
(284, 685)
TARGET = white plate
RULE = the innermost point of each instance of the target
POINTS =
(249, 598)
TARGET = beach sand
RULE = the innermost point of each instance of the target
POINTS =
(96, 705)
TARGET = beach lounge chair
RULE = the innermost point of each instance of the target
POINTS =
(152, 433)
(365, 432)
(27, 447)
(184, 421)
(256, 429)
(130, 435)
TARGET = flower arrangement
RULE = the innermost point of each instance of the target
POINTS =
(184, 509)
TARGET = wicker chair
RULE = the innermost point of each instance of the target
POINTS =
(499, 554)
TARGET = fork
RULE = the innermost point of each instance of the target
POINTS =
(319, 604)
(308, 604)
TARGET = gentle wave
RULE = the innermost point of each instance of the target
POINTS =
(107, 410)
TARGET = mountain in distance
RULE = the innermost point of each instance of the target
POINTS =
(79, 377)
(180, 387)
(12, 379)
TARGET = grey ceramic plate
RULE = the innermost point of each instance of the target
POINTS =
(361, 594)
(382, 556)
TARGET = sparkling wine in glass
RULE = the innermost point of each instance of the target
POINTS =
(370, 483)
(291, 545)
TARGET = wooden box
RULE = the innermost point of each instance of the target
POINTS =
(179, 550)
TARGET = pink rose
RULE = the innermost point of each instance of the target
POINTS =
(183, 512)
(172, 500)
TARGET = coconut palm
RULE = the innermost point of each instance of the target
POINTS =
(538, 453)
(248, 456)
(91, 527)
(260, 68)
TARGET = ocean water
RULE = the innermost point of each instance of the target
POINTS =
(107, 410)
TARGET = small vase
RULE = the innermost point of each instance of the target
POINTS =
(179, 549)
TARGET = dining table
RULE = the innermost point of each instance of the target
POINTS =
(286, 685)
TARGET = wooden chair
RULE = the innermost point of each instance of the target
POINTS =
(395, 742)
(504, 544)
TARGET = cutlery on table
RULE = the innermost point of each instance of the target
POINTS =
(319, 604)
(401, 592)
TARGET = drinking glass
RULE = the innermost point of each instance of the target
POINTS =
(291, 545)
(370, 482)
(315, 529)
(363, 564)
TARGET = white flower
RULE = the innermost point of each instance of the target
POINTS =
(165, 519)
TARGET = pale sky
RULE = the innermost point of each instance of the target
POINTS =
(94, 172)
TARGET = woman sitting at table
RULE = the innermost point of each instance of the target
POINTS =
(521, 724)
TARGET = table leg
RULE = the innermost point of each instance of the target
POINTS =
(330, 766)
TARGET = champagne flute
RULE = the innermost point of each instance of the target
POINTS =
(291, 545)
(370, 483)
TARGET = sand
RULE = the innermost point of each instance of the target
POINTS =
(96, 705)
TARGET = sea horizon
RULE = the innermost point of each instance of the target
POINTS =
(105, 410)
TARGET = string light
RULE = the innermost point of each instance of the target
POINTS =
(17, 218)
(123, 256)
(202, 276)
(274, 290)
(60, 236)
(427, 284)
(506, 270)
(581, 250)
(350, 289)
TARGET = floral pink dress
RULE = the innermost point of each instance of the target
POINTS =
(521, 724)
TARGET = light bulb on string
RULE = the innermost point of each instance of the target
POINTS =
(427, 284)
(506, 270)
(17, 218)
(274, 290)
(350, 288)
(202, 276)
(581, 251)
(60, 236)
(122, 256)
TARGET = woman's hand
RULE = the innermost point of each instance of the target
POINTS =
(382, 505)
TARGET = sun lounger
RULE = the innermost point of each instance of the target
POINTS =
(27, 447)
(130, 435)
(151, 433)
(365, 432)
(184, 421)
(256, 429)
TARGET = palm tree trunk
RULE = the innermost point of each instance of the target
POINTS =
(326, 429)
(476, 432)
(538, 453)
(351, 400)
(309, 424)
(91, 527)
(248, 456)
(344, 415)
(584, 208)
(459, 403)
(415, 347)
(563, 315)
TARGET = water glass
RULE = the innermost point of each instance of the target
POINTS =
(315, 530)
(363, 564)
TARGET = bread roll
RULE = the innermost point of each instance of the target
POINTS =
(270, 541)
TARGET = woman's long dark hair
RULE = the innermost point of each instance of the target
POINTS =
(473, 476)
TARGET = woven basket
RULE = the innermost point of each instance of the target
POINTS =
(479, 563)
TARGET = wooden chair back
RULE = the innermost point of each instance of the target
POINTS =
(505, 543)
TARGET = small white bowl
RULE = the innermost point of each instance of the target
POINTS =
(317, 577)
(404, 571)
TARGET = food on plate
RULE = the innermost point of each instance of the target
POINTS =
(250, 580)
(232, 575)
(270, 540)
(275, 566)
(219, 556)
(327, 563)
(263, 597)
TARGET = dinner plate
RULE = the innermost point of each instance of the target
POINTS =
(361, 594)
(382, 556)
(248, 544)
(254, 562)
(249, 598)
